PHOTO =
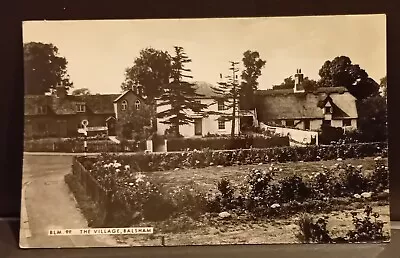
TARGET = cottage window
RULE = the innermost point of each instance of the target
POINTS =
(137, 104)
(221, 105)
(80, 108)
(289, 122)
(328, 110)
(221, 124)
(124, 105)
(346, 122)
(42, 110)
(327, 122)
(307, 124)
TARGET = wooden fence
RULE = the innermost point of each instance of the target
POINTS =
(101, 196)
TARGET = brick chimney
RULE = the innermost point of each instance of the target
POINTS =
(61, 91)
(298, 81)
(137, 89)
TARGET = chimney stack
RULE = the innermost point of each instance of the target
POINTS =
(298, 81)
(61, 91)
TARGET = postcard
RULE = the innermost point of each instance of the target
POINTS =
(217, 131)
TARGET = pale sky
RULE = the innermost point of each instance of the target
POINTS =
(99, 51)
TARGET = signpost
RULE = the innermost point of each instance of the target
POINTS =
(85, 123)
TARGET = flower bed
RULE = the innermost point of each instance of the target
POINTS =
(261, 194)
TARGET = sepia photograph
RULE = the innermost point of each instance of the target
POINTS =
(217, 131)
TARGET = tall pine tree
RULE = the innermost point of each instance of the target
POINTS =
(228, 93)
(179, 95)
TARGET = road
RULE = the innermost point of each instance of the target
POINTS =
(47, 204)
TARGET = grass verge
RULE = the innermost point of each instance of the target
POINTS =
(87, 206)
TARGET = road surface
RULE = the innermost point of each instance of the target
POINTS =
(47, 204)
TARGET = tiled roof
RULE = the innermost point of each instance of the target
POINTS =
(285, 104)
(96, 104)
(205, 89)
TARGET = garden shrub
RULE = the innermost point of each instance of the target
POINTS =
(189, 201)
(259, 190)
(379, 179)
(352, 180)
(366, 229)
(226, 194)
(325, 184)
(313, 232)
(293, 188)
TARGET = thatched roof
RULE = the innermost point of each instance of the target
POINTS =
(285, 104)
(96, 104)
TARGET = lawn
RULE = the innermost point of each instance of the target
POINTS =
(207, 178)
(209, 229)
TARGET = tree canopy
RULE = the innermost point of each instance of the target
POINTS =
(253, 65)
(179, 95)
(288, 83)
(341, 72)
(152, 69)
(81, 91)
(44, 68)
(383, 86)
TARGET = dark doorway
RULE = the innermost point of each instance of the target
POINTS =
(198, 128)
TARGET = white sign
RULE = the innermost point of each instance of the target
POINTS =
(85, 123)
(81, 130)
(100, 231)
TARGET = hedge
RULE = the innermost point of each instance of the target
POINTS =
(77, 145)
(226, 143)
(195, 159)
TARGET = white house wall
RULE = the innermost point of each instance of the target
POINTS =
(209, 123)
(315, 124)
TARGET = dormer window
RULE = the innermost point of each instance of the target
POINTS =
(42, 110)
(80, 108)
(328, 110)
(221, 105)
(124, 105)
(137, 104)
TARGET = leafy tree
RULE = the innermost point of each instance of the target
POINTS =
(152, 69)
(341, 72)
(44, 68)
(372, 118)
(81, 91)
(136, 124)
(179, 95)
(288, 83)
(228, 92)
(383, 86)
(309, 84)
(253, 65)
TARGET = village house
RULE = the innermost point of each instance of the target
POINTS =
(61, 115)
(296, 108)
(203, 125)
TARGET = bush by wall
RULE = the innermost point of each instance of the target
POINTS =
(196, 159)
(226, 143)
